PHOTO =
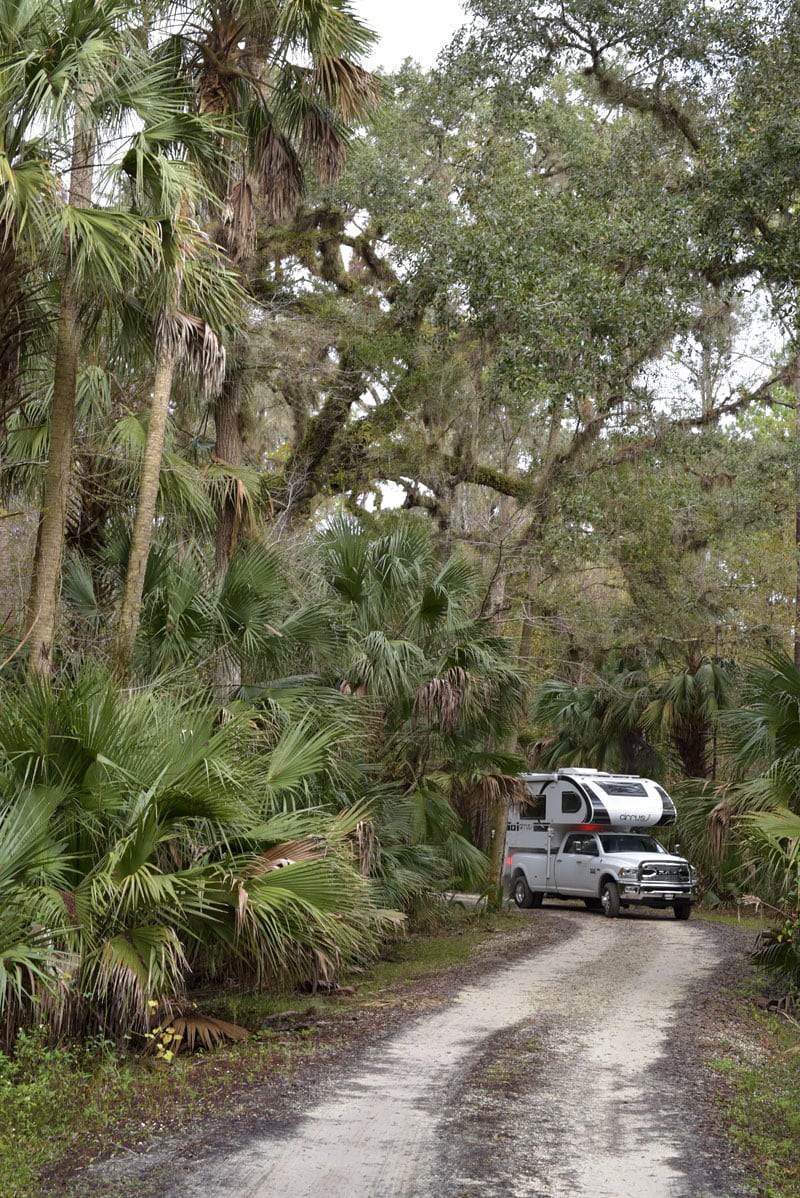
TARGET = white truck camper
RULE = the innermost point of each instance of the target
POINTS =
(578, 833)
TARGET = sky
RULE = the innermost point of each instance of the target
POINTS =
(416, 29)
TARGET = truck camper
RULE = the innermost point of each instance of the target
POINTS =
(581, 833)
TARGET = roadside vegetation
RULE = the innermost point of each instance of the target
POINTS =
(759, 1107)
(757, 1059)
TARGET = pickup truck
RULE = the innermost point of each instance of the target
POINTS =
(608, 870)
(581, 833)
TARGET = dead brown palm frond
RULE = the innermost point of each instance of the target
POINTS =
(239, 222)
(440, 700)
(368, 847)
(496, 788)
(476, 802)
(188, 339)
(720, 819)
(323, 144)
(280, 174)
(193, 1032)
(290, 852)
(344, 87)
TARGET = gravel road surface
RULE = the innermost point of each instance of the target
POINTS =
(555, 1076)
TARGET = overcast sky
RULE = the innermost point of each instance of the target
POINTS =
(416, 29)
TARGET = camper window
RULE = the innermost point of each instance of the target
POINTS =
(532, 806)
(570, 802)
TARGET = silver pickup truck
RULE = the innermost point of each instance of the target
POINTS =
(608, 870)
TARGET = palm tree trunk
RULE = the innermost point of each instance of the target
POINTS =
(45, 585)
(141, 537)
(494, 898)
(228, 449)
(797, 513)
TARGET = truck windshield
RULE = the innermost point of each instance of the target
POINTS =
(629, 842)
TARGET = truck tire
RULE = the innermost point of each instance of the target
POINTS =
(609, 899)
(682, 910)
(522, 894)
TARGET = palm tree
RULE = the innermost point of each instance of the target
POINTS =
(599, 723)
(685, 711)
(286, 77)
(760, 743)
(73, 72)
(435, 684)
(179, 338)
(637, 720)
(70, 69)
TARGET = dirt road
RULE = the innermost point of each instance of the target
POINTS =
(552, 1078)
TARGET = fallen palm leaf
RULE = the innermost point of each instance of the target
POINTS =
(203, 1031)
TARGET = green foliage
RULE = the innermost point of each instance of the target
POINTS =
(647, 721)
(778, 953)
(159, 848)
(743, 833)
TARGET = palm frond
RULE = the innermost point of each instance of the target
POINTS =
(189, 339)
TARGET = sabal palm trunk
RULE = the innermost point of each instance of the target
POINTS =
(797, 513)
(228, 449)
(142, 535)
(45, 585)
(44, 596)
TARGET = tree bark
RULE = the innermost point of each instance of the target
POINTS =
(494, 898)
(141, 537)
(46, 582)
(228, 449)
(797, 513)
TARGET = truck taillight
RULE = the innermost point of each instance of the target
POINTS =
(508, 860)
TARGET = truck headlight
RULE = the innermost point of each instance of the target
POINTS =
(629, 872)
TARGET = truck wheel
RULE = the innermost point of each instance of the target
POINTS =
(522, 894)
(593, 904)
(682, 910)
(609, 899)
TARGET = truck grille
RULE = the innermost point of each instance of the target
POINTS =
(665, 874)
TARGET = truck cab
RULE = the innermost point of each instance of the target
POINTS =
(583, 834)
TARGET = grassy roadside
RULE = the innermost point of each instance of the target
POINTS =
(754, 1059)
(60, 1106)
(759, 1102)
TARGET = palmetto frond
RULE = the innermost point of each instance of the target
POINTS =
(323, 28)
(279, 172)
(772, 855)
(34, 923)
(343, 87)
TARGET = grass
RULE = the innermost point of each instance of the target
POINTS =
(67, 1104)
(757, 1059)
(759, 1103)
